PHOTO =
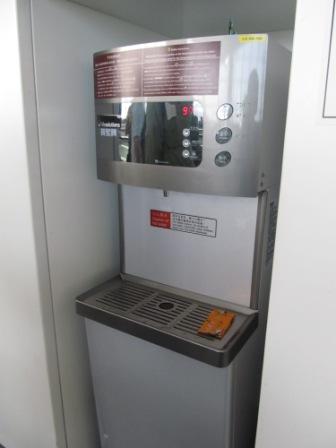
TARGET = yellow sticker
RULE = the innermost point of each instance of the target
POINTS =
(246, 38)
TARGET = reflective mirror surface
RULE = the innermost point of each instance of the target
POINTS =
(162, 133)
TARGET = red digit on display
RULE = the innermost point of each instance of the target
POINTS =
(185, 111)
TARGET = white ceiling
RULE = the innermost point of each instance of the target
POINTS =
(163, 17)
(176, 18)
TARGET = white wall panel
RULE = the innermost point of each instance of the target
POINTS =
(26, 411)
(299, 389)
(187, 260)
(80, 210)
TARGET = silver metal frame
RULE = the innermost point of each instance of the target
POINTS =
(121, 230)
(258, 249)
(257, 94)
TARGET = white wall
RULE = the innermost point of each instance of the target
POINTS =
(284, 37)
(161, 16)
(299, 379)
(59, 236)
(80, 210)
(26, 416)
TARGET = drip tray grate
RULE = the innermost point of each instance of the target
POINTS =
(166, 318)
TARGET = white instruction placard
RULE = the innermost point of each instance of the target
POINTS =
(194, 224)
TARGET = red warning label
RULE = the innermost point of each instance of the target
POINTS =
(160, 219)
(181, 222)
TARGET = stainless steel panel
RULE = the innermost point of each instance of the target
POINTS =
(150, 397)
(258, 249)
(242, 84)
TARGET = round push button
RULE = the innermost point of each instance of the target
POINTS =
(186, 132)
(186, 143)
(223, 158)
(186, 153)
(223, 135)
(225, 111)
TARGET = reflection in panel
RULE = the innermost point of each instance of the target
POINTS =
(162, 133)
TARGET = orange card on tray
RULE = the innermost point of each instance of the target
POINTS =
(217, 323)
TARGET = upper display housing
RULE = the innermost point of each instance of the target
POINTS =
(202, 115)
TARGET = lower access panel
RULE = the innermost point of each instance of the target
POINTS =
(156, 380)
(151, 397)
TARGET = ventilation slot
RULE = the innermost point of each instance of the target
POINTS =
(191, 323)
(125, 298)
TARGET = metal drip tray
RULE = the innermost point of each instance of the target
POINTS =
(167, 317)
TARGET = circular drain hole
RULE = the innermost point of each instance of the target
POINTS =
(166, 305)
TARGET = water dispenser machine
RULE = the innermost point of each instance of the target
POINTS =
(192, 131)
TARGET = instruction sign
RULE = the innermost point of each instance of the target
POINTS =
(172, 70)
(181, 222)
